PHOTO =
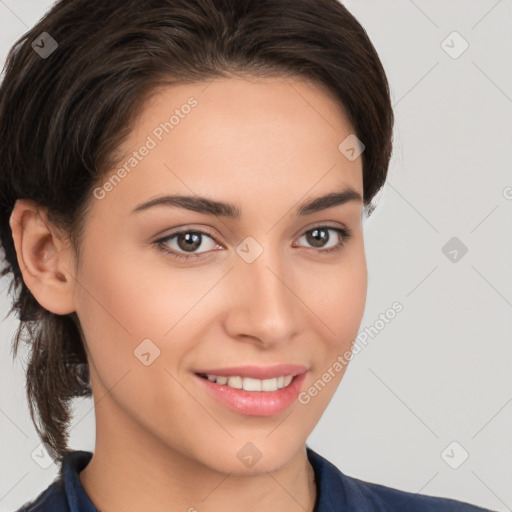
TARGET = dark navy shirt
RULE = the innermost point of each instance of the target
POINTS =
(336, 492)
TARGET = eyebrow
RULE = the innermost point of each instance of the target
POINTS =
(229, 210)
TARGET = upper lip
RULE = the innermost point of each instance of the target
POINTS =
(257, 372)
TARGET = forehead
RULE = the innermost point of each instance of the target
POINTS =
(236, 109)
(236, 136)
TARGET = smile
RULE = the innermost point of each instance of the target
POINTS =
(250, 384)
(252, 396)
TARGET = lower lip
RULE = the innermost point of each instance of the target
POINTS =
(256, 403)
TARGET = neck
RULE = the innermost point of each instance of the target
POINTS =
(131, 470)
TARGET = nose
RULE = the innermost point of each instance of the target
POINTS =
(262, 303)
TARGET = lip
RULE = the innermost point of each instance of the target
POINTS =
(254, 403)
(257, 372)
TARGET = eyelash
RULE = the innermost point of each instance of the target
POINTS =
(344, 235)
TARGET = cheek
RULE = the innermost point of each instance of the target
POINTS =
(129, 319)
(338, 296)
(125, 293)
(116, 307)
(132, 307)
(339, 304)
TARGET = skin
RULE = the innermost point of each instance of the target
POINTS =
(162, 443)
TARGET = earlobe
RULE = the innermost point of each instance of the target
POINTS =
(43, 257)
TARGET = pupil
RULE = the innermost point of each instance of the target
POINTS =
(318, 240)
(193, 241)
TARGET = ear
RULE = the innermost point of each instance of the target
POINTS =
(45, 258)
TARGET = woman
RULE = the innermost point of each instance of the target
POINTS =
(182, 196)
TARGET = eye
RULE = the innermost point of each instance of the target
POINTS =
(319, 236)
(187, 242)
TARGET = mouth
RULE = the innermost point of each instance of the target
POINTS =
(248, 383)
(241, 391)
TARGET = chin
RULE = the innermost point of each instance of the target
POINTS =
(257, 457)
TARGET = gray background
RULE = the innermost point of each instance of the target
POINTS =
(439, 372)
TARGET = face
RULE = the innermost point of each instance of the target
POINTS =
(167, 291)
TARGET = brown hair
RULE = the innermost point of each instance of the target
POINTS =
(63, 117)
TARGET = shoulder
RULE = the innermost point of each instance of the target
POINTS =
(337, 491)
(65, 492)
(390, 499)
(51, 499)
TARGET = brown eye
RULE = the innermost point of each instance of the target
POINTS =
(189, 240)
(319, 237)
(184, 244)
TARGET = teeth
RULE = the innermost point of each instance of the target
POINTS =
(250, 384)
(235, 382)
(269, 384)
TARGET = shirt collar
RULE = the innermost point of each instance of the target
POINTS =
(72, 463)
(330, 490)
